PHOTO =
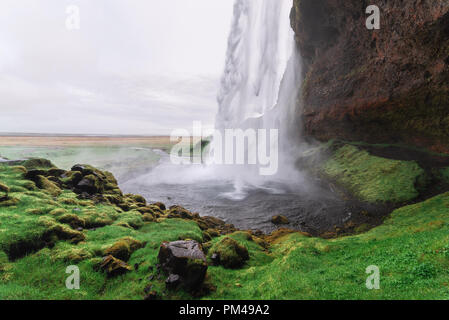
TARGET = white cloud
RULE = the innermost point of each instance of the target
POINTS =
(134, 67)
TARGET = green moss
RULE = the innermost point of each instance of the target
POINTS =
(49, 186)
(4, 188)
(411, 249)
(124, 248)
(229, 253)
(372, 178)
(37, 164)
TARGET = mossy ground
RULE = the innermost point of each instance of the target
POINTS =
(39, 240)
(36, 244)
(374, 179)
(411, 250)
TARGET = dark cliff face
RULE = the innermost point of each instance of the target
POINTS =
(380, 86)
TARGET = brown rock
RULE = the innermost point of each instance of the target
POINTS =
(379, 86)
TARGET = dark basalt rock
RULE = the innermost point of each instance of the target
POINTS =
(89, 184)
(173, 281)
(186, 260)
(34, 173)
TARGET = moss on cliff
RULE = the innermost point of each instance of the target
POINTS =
(371, 178)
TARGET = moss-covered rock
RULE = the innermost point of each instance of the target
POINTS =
(4, 188)
(228, 253)
(179, 212)
(138, 199)
(124, 248)
(72, 220)
(37, 164)
(9, 202)
(113, 266)
(47, 185)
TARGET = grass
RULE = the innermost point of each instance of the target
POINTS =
(374, 179)
(411, 251)
(411, 248)
(36, 232)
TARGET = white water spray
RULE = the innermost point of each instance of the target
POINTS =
(260, 83)
(259, 89)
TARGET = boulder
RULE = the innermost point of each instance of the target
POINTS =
(89, 184)
(37, 164)
(173, 281)
(179, 212)
(185, 259)
(279, 220)
(90, 180)
(160, 205)
(228, 253)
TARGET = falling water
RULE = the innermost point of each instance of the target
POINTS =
(261, 81)
(259, 90)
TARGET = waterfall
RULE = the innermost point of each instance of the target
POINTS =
(259, 90)
(260, 83)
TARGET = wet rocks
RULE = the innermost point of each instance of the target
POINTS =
(228, 253)
(184, 262)
(279, 220)
(173, 281)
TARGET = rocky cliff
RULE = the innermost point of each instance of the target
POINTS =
(380, 86)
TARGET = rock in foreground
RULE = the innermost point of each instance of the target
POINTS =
(186, 260)
(114, 266)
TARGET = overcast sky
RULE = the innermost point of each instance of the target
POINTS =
(133, 67)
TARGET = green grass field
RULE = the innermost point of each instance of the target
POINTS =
(39, 238)
(411, 250)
